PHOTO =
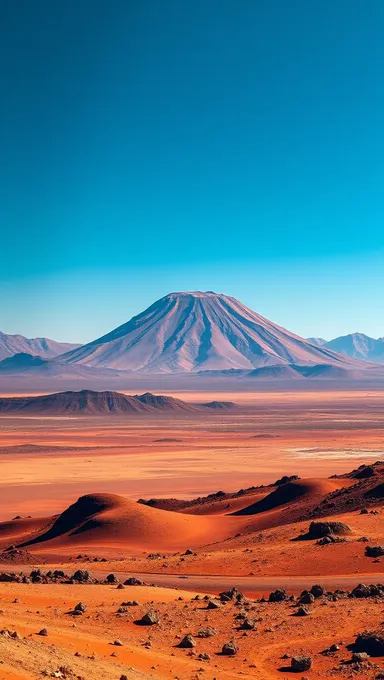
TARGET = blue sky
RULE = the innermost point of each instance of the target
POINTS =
(158, 146)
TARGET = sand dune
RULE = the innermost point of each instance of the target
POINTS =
(298, 490)
(17, 528)
(110, 520)
(107, 519)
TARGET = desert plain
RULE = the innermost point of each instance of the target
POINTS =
(227, 500)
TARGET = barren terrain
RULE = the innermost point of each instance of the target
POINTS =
(252, 533)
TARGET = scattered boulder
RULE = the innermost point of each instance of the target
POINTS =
(6, 577)
(326, 540)
(206, 632)
(229, 649)
(373, 590)
(317, 591)
(302, 611)
(374, 551)
(359, 657)
(361, 591)
(132, 581)
(370, 642)
(58, 573)
(81, 575)
(111, 578)
(299, 664)
(229, 595)
(80, 607)
(320, 529)
(248, 624)
(279, 595)
(188, 642)
(306, 597)
(150, 618)
(331, 650)
(214, 604)
(43, 632)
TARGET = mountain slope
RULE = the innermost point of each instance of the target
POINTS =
(43, 347)
(195, 331)
(359, 346)
(29, 366)
(317, 341)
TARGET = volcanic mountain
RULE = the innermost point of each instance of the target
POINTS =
(190, 332)
(42, 347)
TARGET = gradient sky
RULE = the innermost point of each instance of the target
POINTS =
(215, 145)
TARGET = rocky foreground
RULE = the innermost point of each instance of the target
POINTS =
(74, 625)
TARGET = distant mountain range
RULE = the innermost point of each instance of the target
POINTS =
(88, 402)
(356, 346)
(42, 347)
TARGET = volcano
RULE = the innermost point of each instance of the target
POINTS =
(197, 331)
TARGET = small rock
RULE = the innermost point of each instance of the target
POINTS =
(301, 663)
(229, 649)
(278, 595)
(302, 611)
(359, 657)
(150, 618)
(214, 604)
(187, 642)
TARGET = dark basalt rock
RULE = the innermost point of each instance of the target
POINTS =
(299, 664)
(317, 591)
(306, 597)
(229, 649)
(188, 642)
(81, 575)
(149, 619)
(279, 595)
(374, 551)
(370, 642)
(321, 529)
(132, 581)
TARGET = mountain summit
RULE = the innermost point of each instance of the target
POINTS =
(196, 331)
(357, 346)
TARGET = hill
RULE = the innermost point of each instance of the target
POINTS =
(88, 402)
